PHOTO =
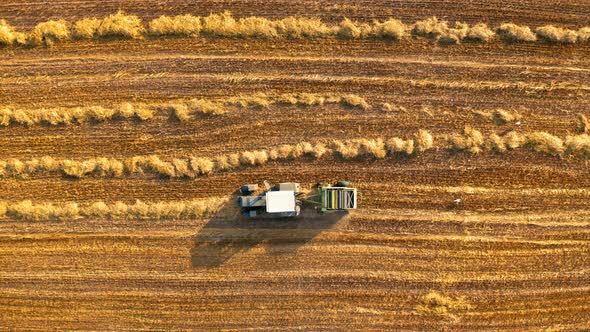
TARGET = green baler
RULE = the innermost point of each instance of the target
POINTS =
(337, 197)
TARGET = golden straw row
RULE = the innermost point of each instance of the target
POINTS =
(191, 167)
(121, 25)
(180, 110)
(27, 210)
(470, 141)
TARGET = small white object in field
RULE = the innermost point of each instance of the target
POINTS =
(518, 123)
(458, 200)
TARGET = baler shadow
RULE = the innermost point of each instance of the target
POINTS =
(228, 233)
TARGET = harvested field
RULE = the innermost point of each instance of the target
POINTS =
(471, 161)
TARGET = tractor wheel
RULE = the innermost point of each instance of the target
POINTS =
(246, 191)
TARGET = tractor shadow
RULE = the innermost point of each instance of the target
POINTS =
(228, 233)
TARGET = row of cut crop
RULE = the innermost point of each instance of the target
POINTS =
(225, 25)
(182, 110)
(470, 140)
(43, 211)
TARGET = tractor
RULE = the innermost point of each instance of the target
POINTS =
(286, 199)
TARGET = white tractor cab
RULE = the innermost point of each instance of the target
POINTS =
(285, 199)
